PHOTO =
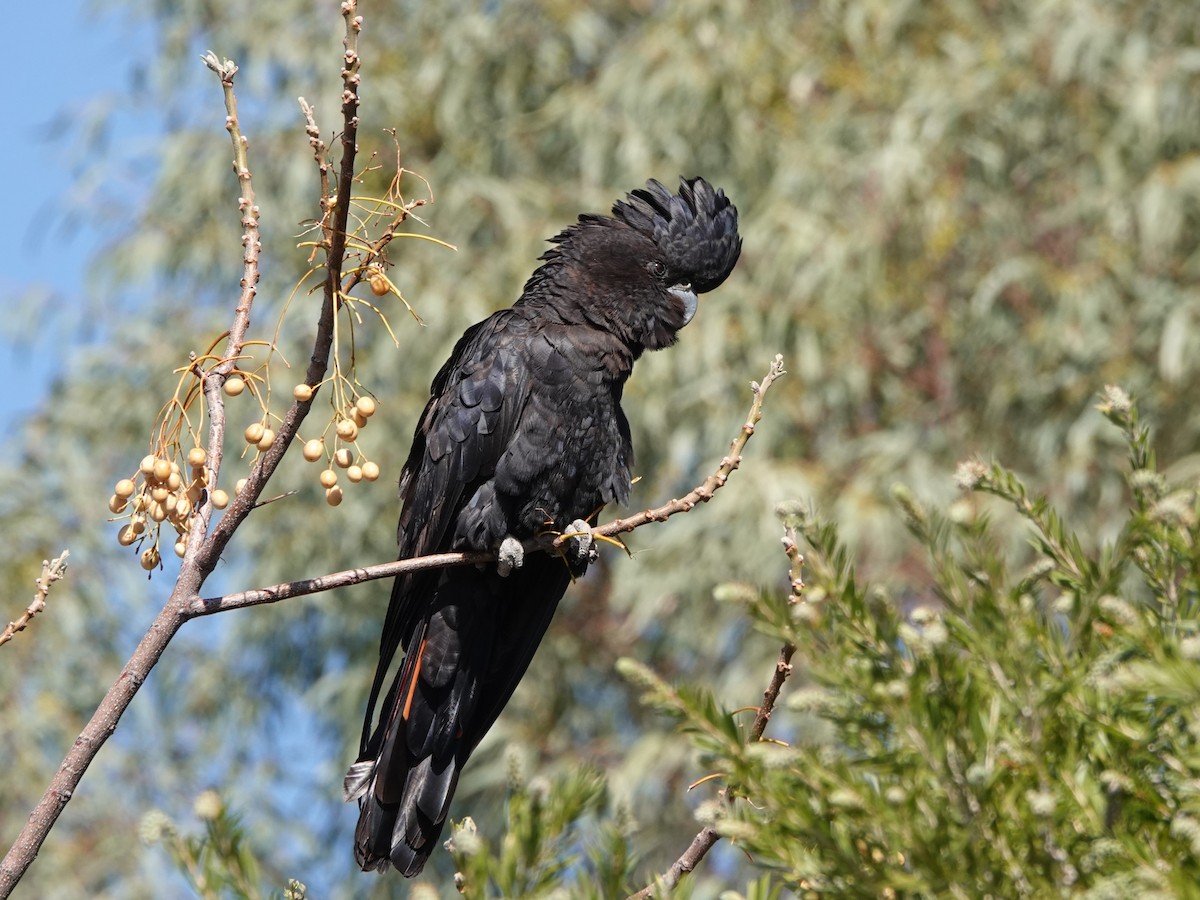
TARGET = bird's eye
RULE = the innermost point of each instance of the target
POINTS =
(656, 268)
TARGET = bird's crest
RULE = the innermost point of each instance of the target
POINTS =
(696, 229)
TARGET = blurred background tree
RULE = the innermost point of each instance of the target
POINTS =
(960, 221)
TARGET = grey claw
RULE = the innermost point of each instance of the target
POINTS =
(510, 556)
(581, 547)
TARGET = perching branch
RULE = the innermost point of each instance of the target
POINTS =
(708, 837)
(204, 552)
(275, 593)
(52, 571)
(701, 494)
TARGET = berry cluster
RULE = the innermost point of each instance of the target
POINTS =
(348, 423)
(158, 492)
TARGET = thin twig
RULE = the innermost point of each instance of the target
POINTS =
(708, 837)
(214, 378)
(702, 493)
(318, 147)
(783, 667)
(52, 571)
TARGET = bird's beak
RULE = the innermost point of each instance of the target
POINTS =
(685, 295)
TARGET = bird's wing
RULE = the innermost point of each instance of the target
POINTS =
(476, 401)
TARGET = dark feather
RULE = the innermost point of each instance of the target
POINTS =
(523, 434)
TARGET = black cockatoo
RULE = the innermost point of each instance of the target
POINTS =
(523, 435)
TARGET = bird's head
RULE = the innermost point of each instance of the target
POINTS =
(695, 231)
(639, 271)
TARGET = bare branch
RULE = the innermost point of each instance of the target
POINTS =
(98, 729)
(214, 378)
(52, 571)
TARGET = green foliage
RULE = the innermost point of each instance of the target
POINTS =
(541, 851)
(1017, 728)
(217, 863)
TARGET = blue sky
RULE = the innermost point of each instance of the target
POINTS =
(82, 56)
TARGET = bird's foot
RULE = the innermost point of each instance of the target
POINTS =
(580, 547)
(510, 556)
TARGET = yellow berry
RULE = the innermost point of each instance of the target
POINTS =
(173, 482)
(197, 457)
(150, 558)
(343, 458)
(267, 439)
(234, 385)
(117, 504)
(328, 478)
(124, 489)
(180, 548)
(147, 466)
(370, 470)
(157, 511)
(313, 450)
(170, 502)
(138, 524)
(162, 469)
(358, 418)
(254, 432)
(355, 474)
(183, 508)
(333, 496)
(347, 430)
(126, 535)
(379, 285)
(302, 392)
(159, 494)
(366, 406)
(240, 485)
(219, 498)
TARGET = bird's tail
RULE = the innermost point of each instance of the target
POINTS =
(463, 661)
